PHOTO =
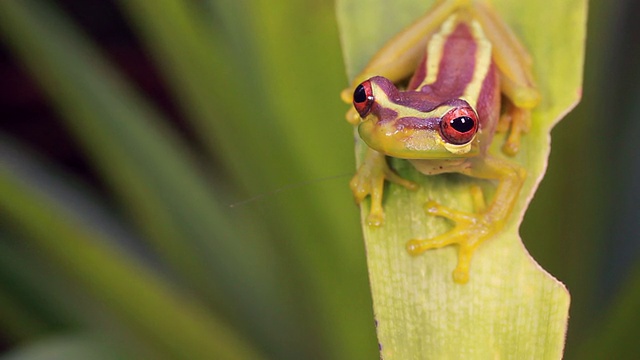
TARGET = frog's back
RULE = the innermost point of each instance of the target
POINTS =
(458, 64)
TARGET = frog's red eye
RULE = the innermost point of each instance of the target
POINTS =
(363, 98)
(459, 125)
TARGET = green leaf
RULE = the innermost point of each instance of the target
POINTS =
(511, 308)
(267, 117)
(151, 171)
(67, 347)
(133, 292)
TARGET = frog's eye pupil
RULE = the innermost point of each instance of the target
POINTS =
(359, 95)
(459, 126)
(462, 124)
(363, 98)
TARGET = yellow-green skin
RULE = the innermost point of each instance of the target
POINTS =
(461, 58)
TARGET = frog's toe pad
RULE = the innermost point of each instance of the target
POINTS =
(460, 276)
(435, 209)
(360, 187)
(375, 218)
(414, 247)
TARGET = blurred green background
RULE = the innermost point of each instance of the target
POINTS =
(128, 127)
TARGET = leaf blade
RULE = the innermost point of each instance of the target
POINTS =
(452, 318)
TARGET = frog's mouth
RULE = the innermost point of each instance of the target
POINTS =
(413, 138)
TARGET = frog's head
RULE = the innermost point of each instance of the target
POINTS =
(414, 124)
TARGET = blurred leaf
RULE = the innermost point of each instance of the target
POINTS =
(16, 319)
(68, 347)
(150, 170)
(252, 81)
(273, 275)
(145, 163)
(136, 294)
(510, 307)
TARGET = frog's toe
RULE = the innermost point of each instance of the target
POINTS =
(435, 209)
(461, 276)
(360, 187)
(414, 247)
(461, 272)
(511, 146)
(504, 122)
(396, 179)
(375, 218)
(418, 246)
(352, 117)
(359, 193)
(347, 95)
(519, 121)
(466, 246)
(468, 232)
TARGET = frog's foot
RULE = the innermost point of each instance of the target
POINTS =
(369, 180)
(470, 230)
(517, 121)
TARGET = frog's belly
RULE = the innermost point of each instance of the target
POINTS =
(440, 166)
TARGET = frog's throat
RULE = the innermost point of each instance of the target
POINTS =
(440, 166)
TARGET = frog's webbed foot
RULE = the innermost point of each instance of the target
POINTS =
(470, 230)
(473, 228)
(516, 121)
(369, 180)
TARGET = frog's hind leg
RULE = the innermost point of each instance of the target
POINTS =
(516, 78)
(516, 121)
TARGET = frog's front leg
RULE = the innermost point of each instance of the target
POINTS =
(369, 180)
(472, 229)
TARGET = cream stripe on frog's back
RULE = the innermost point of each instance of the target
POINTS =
(435, 49)
(482, 65)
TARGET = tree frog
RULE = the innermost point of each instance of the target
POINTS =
(468, 77)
